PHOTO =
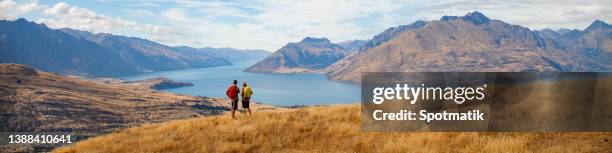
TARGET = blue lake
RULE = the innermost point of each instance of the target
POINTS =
(273, 89)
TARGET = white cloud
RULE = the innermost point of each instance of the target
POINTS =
(63, 15)
(334, 19)
(175, 15)
(269, 24)
(218, 8)
(66, 16)
(139, 13)
(9, 9)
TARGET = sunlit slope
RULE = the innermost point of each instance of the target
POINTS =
(323, 129)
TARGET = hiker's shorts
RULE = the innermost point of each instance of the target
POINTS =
(235, 104)
(245, 103)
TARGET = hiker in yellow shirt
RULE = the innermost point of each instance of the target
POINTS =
(246, 94)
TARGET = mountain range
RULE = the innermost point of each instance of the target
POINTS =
(472, 42)
(74, 52)
(309, 55)
(476, 43)
(469, 43)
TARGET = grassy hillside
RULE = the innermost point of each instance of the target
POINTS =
(35, 101)
(323, 129)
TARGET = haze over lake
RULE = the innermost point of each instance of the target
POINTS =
(274, 89)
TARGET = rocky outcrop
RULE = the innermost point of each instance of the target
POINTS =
(17, 69)
(163, 83)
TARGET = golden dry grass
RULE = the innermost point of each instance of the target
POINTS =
(323, 129)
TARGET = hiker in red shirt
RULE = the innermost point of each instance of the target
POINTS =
(232, 93)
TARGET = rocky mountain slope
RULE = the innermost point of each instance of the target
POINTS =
(75, 52)
(34, 44)
(390, 34)
(147, 55)
(594, 42)
(353, 45)
(476, 43)
(308, 55)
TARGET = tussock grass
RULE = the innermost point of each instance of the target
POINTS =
(323, 129)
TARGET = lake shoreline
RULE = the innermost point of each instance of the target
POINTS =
(273, 89)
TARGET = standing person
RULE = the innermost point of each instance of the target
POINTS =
(246, 94)
(232, 94)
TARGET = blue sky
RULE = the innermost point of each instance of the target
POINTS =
(269, 24)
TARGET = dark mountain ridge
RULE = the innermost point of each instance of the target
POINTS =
(26, 42)
(74, 52)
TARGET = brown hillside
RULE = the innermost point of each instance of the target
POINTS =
(32, 100)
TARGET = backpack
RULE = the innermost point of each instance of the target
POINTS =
(232, 92)
(247, 92)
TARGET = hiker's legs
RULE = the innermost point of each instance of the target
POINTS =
(245, 105)
(234, 107)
